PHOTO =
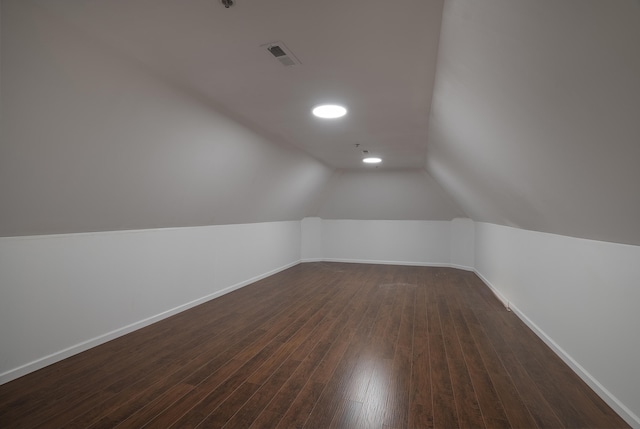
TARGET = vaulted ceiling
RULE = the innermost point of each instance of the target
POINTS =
(376, 58)
(152, 113)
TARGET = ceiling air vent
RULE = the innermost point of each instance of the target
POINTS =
(283, 54)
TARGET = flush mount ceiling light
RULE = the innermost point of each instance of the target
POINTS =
(372, 160)
(329, 111)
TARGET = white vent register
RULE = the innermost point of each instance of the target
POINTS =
(279, 51)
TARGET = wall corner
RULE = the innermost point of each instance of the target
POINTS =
(311, 248)
(463, 243)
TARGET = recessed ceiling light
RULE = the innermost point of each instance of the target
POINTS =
(372, 160)
(329, 111)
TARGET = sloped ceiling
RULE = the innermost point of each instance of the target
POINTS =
(535, 119)
(152, 113)
(127, 114)
(92, 142)
(375, 57)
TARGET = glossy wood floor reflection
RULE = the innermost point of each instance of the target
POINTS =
(318, 346)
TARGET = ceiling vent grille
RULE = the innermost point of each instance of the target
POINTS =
(283, 54)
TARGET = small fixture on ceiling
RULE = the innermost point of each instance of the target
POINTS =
(227, 3)
(329, 111)
(372, 160)
(282, 53)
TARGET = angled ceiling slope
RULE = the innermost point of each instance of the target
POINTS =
(151, 113)
(535, 120)
(375, 57)
(91, 142)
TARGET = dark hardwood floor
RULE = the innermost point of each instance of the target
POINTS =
(320, 345)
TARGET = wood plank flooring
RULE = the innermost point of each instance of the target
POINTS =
(320, 345)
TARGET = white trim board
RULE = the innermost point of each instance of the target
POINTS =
(462, 267)
(405, 263)
(598, 388)
(25, 369)
(493, 289)
(304, 260)
(373, 261)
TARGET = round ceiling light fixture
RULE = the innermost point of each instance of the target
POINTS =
(329, 111)
(372, 160)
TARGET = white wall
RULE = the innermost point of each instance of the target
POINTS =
(387, 241)
(311, 245)
(405, 242)
(62, 294)
(392, 195)
(463, 243)
(580, 295)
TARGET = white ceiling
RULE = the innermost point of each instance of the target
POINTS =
(120, 114)
(374, 56)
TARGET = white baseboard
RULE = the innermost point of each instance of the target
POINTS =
(375, 261)
(25, 369)
(462, 267)
(600, 390)
(495, 291)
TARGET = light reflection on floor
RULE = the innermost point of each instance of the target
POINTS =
(369, 385)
